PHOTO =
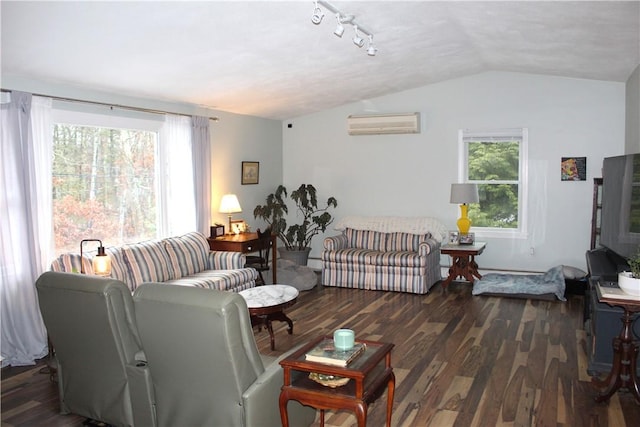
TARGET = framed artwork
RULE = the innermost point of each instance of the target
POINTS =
(238, 226)
(467, 239)
(573, 169)
(452, 237)
(250, 172)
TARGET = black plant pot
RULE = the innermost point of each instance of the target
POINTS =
(299, 257)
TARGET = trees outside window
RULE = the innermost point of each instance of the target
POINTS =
(496, 162)
(103, 185)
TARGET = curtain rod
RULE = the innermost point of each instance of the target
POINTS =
(112, 106)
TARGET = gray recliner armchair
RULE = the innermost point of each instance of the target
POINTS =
(101, 368)
(204, 361)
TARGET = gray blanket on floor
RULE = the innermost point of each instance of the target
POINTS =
(551, 282)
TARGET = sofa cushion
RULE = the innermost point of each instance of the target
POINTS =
(350, 255)
(118, 267)
(356, 257)
(188, 253)
(147, 262)
(223, 280)
(397, 259)
(365, 239)
(405, 241)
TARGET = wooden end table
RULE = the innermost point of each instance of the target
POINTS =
(463, 263)
(368, 374)
(623, 373)
(267, 303)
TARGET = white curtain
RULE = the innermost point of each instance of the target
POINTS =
(201, 143)
(26, 148)
(174, 186)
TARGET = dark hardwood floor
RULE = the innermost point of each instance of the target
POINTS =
(459, 360)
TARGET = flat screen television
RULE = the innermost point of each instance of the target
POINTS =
(620, 221)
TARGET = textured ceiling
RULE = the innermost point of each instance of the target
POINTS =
(266, 58)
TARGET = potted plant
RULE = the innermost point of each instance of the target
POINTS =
(296, 237)
(629, 281)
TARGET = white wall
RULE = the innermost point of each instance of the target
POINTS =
(234, 138)
(410, 175)
(632, 123)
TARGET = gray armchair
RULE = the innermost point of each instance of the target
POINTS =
(205, 365)
(102, 373)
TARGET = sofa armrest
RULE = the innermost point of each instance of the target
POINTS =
(335, 242)
(428, 246)
(225, 260)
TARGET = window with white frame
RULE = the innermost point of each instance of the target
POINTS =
(496, 160)
(116, 178)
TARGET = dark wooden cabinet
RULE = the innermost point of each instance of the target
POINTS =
(603, 322)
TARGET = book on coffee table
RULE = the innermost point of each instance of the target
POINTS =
(326, 353)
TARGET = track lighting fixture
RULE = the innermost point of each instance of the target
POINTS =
(371, 49)
(343, 19)
(317, 16)
(357, 40)
(339, 31)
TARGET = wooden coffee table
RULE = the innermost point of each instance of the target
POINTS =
(368, 374)
(463, 263)
(267, 303)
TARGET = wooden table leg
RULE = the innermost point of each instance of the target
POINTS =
(361, 413)
(391, 386)
(280, 316)
(623, 372)
(473, 268)
(284, 415)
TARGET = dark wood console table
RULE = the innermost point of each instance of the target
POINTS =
(245, 243)
(625, 352)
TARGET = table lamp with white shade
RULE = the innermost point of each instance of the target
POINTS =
(464, 194)
(230, 205)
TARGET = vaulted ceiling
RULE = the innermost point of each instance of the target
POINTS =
(266, 58)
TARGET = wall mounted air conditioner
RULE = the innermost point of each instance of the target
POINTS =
(383, 124)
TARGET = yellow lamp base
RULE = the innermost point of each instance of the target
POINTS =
(464, 223)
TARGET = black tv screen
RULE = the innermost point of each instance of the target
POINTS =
(620, 227)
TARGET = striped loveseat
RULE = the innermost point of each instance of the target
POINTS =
(183, 260)
(384, 253)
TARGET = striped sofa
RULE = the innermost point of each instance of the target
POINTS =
(384, 253)
(183, 260)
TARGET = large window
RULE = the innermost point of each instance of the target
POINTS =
(496, 161)
(112, 178)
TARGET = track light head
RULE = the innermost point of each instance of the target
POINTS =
(357, 40)
(318, 14)
(339, 31)
(342, 20)
(371, 49)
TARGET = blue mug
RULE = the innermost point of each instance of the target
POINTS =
(344, 339)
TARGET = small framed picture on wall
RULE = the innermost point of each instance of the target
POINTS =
(250, 173)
